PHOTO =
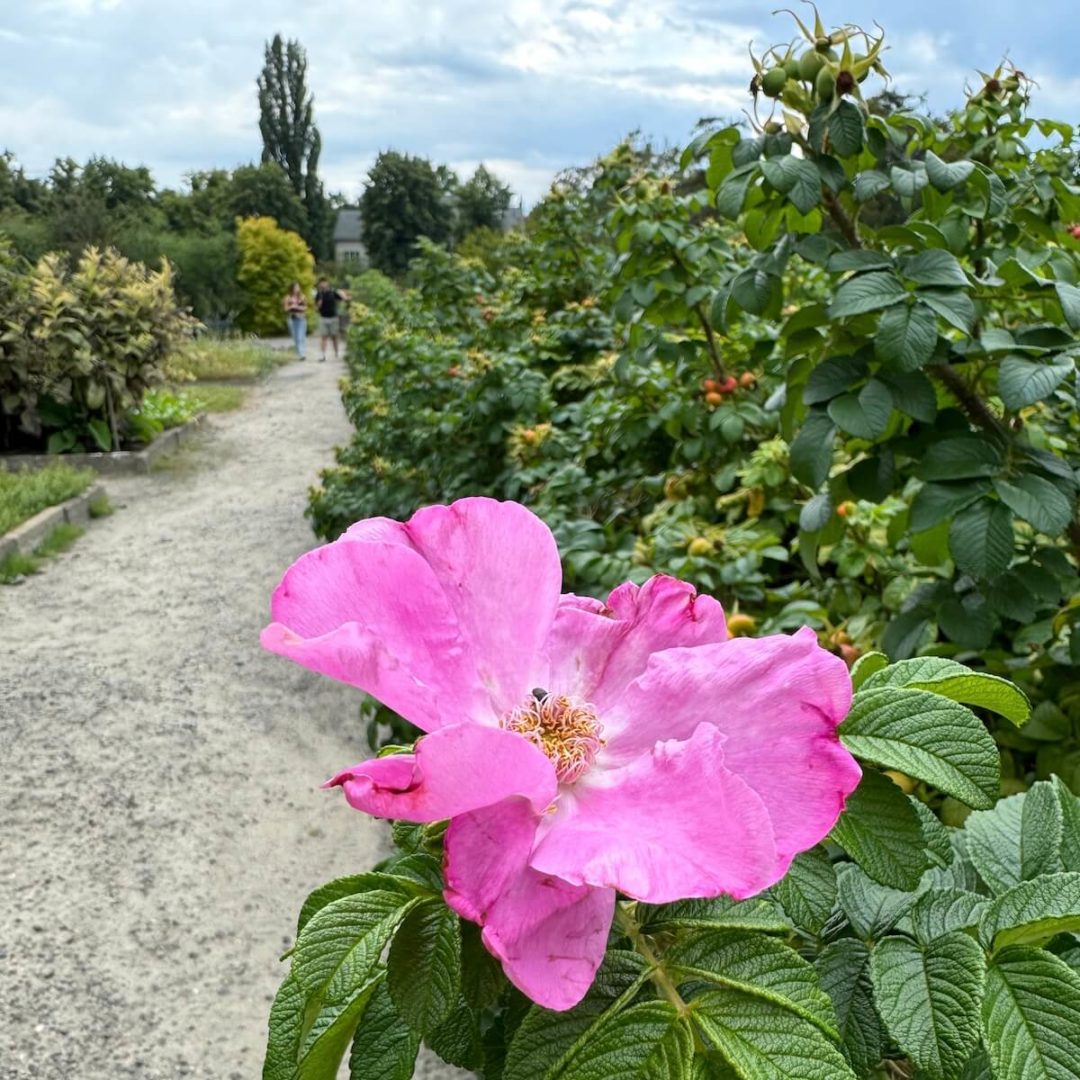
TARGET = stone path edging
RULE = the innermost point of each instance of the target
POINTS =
(25, 537)
(120, 462)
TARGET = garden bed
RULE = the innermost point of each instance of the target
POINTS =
(28, 535)
(114, 463)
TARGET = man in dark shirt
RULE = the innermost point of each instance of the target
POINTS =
(327, 299)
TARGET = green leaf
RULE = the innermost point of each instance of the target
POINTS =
(906, 337)
(859, 259)
(935, 503)
(1070, 821)
(936, 268)
(866, 414)
(871, 908)
(807, 892)
(938, 845)
(1031, 1016)
(867, 665)
(816, 513)
(1036, 501)
(721, 913)
(384, 1046)
(796, 178)
(458, 1041)
(913, 394)
(342, 943)
(845, 127)
(926, 736)
(880, 830)
(286, 1030)
(330, 1035)
(763, 1041)
(1018, 840)
(954, 306)
(812, 449)
(101, 433)
(907, 182)
(1069, 295)
(844, 969)
(947, 175)
(347, 886)
(424, 966)
(1033, 912)
(981, 539)
(867, 292)
(868, 184)
(754, 290)
(958, 682)
(938, 912)
(732, 193)
(756, 965)
(963, 457)
(635, 1044)
(1022, 382)
(482, 978)
(545, 1038)
(930, 997)
(832, 377)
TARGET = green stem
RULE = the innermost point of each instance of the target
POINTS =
(632, 928)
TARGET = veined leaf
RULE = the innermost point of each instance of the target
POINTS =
(906, 337)
(872, 909)
(1031, 1016)
(938, 912)
(807, 892)
(844, 969)
(926, 736)
(947, 175)
(930, 997)
(384, 1046)
(1033, 912)
(981, 539)
(797, 178)
(1036, 501)
(1022, 382)
(867, 292)
(424, 966)
(721, 913)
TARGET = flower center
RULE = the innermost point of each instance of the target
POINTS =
(568, 731)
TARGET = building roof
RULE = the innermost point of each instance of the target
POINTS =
(347, 227)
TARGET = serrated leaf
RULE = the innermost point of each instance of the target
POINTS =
(859, 259)
(756, 965)
(938, 846)
(634, 1044)
(286, 1030)
(832, 377)
(1022, 382)
(1033, 912)
(457, 1040)
(913, 394)
(938, 912)
(1031, 1015)
(929, 997)
(871, 908)
(754, 290)
(763, 1041)
(545, 1038)
(935, 268)
(1017, 840)
(959, 683)
(342, 942)
(424, 966)
(935, 503)
(867, 292)
(1069, 297)
(1036, 501)
(963, 457)
(812, 449)
(845, 127)
(796, 178)
(981, 539)
(347, 886)
(384, 1046)
(844, 969)
(807, 892)
(816, 513)
(881, 831)
(732, 192)
(721, 913)
(329, 1037)
(907, 182)
(482, 978)
(1070, 821)
(868, 184)
(953, 305)
(926, 736)
(947, 175)
(867, 665)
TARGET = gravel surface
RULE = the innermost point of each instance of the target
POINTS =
(160, 815)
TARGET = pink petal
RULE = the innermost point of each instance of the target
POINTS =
(455, 770)
(596, 651)
(428, 617)
(549, 935)
(778, 700)
(499, 568)
(673, 824)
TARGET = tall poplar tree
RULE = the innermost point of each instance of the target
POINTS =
(290, 137)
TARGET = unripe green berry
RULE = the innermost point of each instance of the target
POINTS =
(825, 85)
(772, 83)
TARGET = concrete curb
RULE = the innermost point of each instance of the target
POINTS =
(25, 537)
(120, 463)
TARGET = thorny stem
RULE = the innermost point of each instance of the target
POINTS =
(975, 407)
(632, 928)
(703, 318)
(843, 222)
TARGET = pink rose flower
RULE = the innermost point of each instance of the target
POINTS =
(578, 748)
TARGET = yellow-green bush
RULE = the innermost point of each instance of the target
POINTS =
(270, 260)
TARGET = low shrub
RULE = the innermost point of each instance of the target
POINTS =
(29, 491)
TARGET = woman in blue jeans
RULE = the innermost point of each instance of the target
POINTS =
(296, 311)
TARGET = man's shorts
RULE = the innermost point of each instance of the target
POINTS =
(329, 327)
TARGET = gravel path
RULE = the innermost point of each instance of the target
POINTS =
(160, 817)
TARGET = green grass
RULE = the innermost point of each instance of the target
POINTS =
(210, 359)
(19, 565)
(99, 506)
(218, 397)
(29, 491)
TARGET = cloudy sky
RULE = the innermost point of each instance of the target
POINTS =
(526, 86)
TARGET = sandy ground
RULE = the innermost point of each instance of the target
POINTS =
(160, 816)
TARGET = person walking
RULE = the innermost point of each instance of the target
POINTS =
(295, 305)
(327, 299)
